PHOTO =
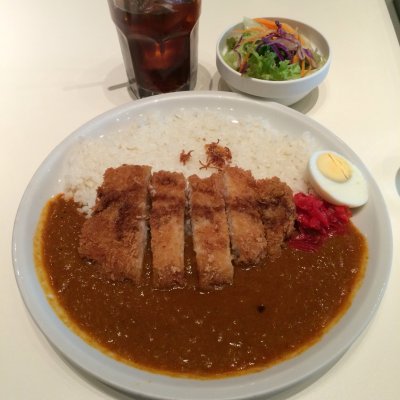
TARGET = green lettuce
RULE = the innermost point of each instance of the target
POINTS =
(269, 67)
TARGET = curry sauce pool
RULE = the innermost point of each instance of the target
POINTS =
(271, 313)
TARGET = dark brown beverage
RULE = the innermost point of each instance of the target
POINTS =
(159, 43)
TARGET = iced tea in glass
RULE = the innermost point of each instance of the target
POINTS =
(158, 40)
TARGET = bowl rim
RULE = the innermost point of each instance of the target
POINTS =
(321, 70)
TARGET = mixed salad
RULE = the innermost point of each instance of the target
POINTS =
(271, 50)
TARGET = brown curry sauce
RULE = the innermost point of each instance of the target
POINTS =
(270, 313)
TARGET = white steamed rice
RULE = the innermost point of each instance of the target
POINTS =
(157, 140)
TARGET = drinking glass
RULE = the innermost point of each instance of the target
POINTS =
(158, 40)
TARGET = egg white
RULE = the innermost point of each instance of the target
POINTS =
(352, 193)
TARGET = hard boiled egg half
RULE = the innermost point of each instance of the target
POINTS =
(336, 179)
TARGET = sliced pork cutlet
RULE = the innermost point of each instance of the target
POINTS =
(167, 226)
(245, 226)
(115, 236)
(210, 231)
(278, 213)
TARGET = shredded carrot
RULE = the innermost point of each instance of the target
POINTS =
(303, 67)
(295, 59)
(266, 22)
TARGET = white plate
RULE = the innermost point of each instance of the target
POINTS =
(372, 220)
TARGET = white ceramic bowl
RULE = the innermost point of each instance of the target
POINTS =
(284, 92)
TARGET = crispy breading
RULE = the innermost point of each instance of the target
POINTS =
(210, 231)
(115, 236)
(167, 226)
(278, 213)
(245, 226)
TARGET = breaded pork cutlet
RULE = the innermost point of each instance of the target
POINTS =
(167, 227)
(278, 213)
(115, 235)
(210, 231)
(245, 226)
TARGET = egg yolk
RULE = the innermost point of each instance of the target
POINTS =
(334, 167)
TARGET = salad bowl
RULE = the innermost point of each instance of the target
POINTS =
(288, 91)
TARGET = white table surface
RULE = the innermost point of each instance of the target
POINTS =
(58, 60)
